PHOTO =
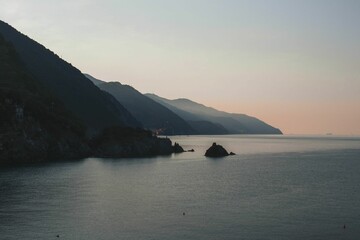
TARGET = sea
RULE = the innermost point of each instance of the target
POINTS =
(275, 187)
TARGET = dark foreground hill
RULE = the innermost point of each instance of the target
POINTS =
(37, 124)
(150, 113)
(97, 109)
(233, 123)
(34, 125)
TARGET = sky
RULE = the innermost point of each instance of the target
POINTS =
(293, 64)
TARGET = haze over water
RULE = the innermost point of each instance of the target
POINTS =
(277, 187)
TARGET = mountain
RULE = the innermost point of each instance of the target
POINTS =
(233, 123)
(97, 82)
(47, 108)
(34, 125)
(97, 109)
(151, 114)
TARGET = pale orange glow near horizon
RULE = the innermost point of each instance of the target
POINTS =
(303, 118)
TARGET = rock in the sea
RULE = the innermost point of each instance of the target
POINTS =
(216, 151)
(177, 148)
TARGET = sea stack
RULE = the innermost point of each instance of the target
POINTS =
(177, 148)
(217, 151)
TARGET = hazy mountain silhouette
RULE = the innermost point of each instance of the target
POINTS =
(97, 82)
(233, 123)
(151, 114)
(157, 116)
(94, 107)
(203, 127)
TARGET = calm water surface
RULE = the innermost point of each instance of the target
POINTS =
(282, 187)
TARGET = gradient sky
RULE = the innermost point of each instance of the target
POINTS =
(293, 64)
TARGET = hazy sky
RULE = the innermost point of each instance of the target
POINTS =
(294, 64)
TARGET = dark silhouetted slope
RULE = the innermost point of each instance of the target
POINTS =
(94, 107)
(233, 123)
(34, 125)
(150, 113)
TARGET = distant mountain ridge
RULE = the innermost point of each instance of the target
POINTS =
(181, 116)
(233, 123)
(151, 114)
